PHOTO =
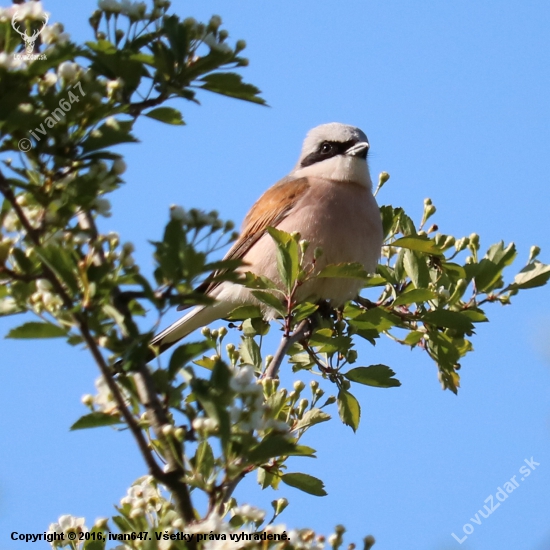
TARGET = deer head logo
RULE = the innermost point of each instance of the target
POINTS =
(29, 40)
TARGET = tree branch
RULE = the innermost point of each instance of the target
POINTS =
(287, 340)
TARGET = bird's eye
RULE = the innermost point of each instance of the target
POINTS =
(327, 147)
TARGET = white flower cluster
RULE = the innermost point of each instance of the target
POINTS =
(252, 414)
(33, 213)
(54, 34)
(103, 401)
(249, 513)
(67, 524)
(211, 41)
(28, 10)
(10, 62)
(43, 299)
(134, 10)
(69, 71)
(143, 497)
(305, 539)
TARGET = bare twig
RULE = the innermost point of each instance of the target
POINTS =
(287, 340)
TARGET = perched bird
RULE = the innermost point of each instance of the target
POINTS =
(328, 199)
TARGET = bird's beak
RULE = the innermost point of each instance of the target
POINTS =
(358, 150)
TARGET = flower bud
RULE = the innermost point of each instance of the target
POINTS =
(87, 400)
(317, 253)
(279, 505)
(167, 429)
(449, 241)
(119, 167)
(205, 331)
(240, 46)
(222, 331)
(230, 348)
(461, 244)
(101, 523)
(474, 240)
(533, 253)
(314, 385)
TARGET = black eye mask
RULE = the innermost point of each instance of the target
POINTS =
(329, 149)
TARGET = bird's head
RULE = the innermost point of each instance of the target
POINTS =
(337, 152)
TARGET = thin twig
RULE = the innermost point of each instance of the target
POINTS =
(148, 396)
(287, 340)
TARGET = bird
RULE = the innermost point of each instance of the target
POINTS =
(327, 198)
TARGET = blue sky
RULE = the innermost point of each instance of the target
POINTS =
(454, 99)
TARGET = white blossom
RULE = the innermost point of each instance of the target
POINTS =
(250, 513)
(119, 167)
(210, 40)
(244, 380)
(67, 524)
(110, 6)
(30, 10)
(177, 213)
(68, 71)
(143, 495)
(49, 80)
(103, 207)
(53, 34)
(134, 10)
(9, 61)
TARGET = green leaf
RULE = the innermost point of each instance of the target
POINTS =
(270, 447)
(245, 312)
(531, 276)
(185, 353)
(35, 329)
(259, 282)
(419, 243)
(349, 409)
(377, 319)
(416, 268)
(489, 270)
(306, 483)
(61, 262)
(288, 260)
(413, 338)
(310, 418)
(109, 135)
(232, 85)
(326, 342)
(303, 311)
(449, 319)
(415, 296)
(344, 271)
(95, 420)
(379, 376)
(250, 352)
(205, 459)
(168, 115)
(270, 300)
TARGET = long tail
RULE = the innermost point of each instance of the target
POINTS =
(198, 317)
